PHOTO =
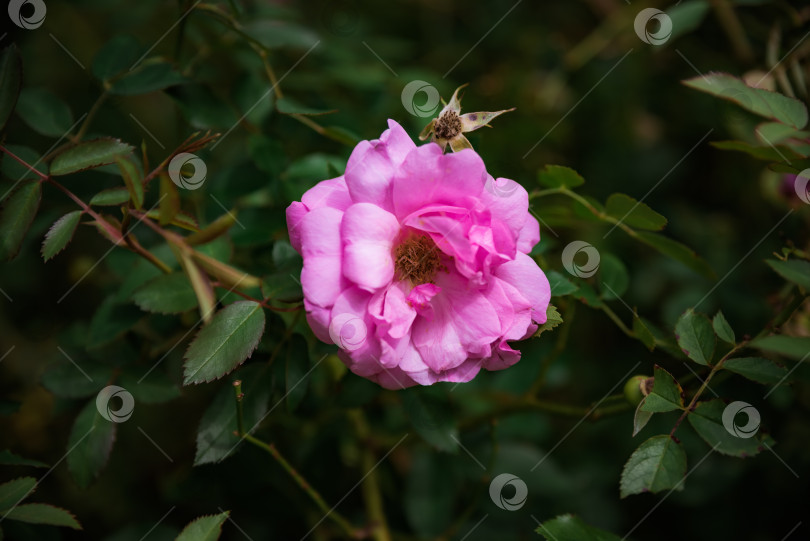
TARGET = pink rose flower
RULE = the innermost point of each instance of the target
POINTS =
(416, 265)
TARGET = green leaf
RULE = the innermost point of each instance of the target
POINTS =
(60, 234)
(132, 178)
(429, 496)
(296, 373)
(757, 369)
(757, 100)
(68, 381)
(147, 77)
(695, 336)
(613, 277)
(640, 418)
(643, 332)
(559, 176)
(156, 388)
(225, 342)
(216, 439)
(88, 155)
(110, 197)
(431, 419)
(571, 528)
(666, 394)
(795, 347)
(117, 55)
(15, 491)
(166, 294)
(7, 458)
(658, 464)
(686, 17)
(10, 81)
(633, 213)
(111, 320)
(707, 420)
(793, 270)
(16, 217)
(771, 133)
(289, 106)
(676, 251)
(553, 319)
(43, 112)
(560, 285)
(90, 443)
(42, 513)
(722, 328)
(207, 528)
(773, 153)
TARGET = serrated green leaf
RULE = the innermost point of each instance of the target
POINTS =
(88, 155)
(553, 319)
(15, 491)
(795, 347)
(110, 197)
(695, 336)
(68, 381)
(149, 76)
(722, 328)
(771, 133)
(60, 234)
(207, 528)
(560, 285)
(7, 458)
(116, 56)
(757, 369)
(793, 270)
(707, 420)
(90, 442)
(613, 277)
(559, 176)
(571, 528)
(640, 418)
(430, 419)
(666, 394)
(658, 464)
(225, 342)
(676, 251)
(216, 438)
(757, 100)
(132, 178)
(16, 217)
(10, 81)
(43, 112)
(42, 513)
(166, 294)
(634, 213)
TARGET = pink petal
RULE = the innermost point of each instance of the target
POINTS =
(321, 276)
(368, 232)
(524, 274)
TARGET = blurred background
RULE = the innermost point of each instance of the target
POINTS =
(589, 93)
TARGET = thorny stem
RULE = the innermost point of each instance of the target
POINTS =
(371, 487)
(262, 302)
(297, 477)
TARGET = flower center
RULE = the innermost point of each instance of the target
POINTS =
(417, 259)
(448, 125)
